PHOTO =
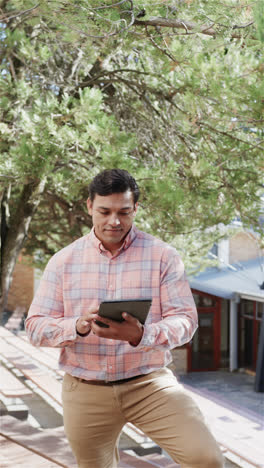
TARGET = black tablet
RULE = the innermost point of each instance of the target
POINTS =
(113, 310)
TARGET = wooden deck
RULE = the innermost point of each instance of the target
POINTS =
(25, 446)
(47, 447)
(10, 386)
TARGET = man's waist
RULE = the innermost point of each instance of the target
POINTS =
(108, 382)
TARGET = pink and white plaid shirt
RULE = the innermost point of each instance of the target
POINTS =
(82, 275)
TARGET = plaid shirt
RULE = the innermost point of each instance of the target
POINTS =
(82, 275)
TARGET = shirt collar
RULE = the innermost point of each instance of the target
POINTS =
(132, 234)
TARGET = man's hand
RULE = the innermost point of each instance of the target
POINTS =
(83, 324)
(130, 329)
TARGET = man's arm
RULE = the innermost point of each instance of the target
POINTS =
(179, 315)
(46, 324)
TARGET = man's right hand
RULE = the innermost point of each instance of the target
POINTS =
(83, 324)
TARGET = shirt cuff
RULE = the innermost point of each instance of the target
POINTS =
(148, 338)
(68, 335)
(139, 344)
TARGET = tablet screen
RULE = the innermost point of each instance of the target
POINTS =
(113, 310)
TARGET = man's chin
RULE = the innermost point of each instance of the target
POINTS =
(113, 233)
(115, 239)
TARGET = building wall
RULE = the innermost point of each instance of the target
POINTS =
(243, 246)
(22, 288)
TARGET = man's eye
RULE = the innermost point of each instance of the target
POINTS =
(106, 213)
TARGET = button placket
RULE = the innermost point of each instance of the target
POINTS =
(111, 285)
(111, 280)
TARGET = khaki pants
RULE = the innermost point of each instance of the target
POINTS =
(156, 403)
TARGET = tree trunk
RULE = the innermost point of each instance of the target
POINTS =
(14, 230)
(4, 226)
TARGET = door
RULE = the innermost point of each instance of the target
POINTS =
(204, 349)
(250, 313)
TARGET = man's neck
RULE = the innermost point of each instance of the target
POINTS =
(113, 249)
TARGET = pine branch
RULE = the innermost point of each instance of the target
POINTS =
(190, 28)
(8, 17)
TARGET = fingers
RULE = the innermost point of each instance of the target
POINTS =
(106, 323)
(129, 318)
(130, 329)
(102, 329)
(89, 315)
(82, 326)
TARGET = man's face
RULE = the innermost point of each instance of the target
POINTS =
(112, 216)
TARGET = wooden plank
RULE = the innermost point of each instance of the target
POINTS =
(16, 357)
(4, 332)
(10, 386)
(16, 318)
(36, 353)
(245, 450)
(47, 383)
(133, 461)
(52, 442)
(13, 427)
(14, 455)
(44, 380)
(161, 461)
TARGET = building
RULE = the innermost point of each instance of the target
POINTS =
(230, 303)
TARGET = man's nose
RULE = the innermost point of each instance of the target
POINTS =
(114, 220)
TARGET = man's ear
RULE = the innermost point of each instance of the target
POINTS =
(90, 206)
(135, 208)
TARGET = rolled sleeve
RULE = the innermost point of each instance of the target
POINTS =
(179, 315)
(45, 323)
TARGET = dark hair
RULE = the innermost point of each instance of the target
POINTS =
(112, 181)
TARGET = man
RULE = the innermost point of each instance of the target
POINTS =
(117, 374)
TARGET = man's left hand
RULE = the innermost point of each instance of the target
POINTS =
(130, 329)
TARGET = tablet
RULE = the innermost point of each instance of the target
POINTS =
(113, 310)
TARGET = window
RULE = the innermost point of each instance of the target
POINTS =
(214, 250)
(251, 313)
(247, 309)
(203, 301)
(259, 310)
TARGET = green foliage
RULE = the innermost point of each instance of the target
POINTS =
(83, 88)
(258, 11)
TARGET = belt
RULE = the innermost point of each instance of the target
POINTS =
(107, 382)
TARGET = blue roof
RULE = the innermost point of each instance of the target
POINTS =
(240, 279)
